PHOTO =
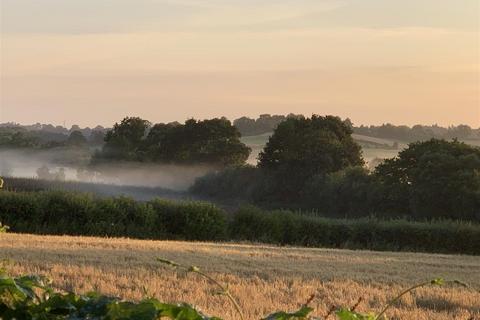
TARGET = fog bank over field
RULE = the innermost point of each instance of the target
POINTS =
(25, 163)
(174, 177)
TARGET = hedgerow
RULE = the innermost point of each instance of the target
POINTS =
(60, 213)
(57, 212)
(289, 228)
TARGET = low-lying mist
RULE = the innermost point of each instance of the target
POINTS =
(26, 164)
(174, 177)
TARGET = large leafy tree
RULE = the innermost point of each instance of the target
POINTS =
(215, 142)
(435, 178)
(301, 148)
(76, 139)
(125, 140)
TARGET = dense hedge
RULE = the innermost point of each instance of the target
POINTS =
(84, 214)
(57, 212)
(286, 227)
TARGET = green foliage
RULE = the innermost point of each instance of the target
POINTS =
(418, 132)
(41, 137)
(125, 140)
(58, 212)
(240, 182)
(286, 227)
(435, 178)
(31, 297)
(299, 153)
(76, 139)
(213, 142)
(347, 193)
(265, 123)
(15, 137)
(304, 147)
(3, 228)
(190, 220)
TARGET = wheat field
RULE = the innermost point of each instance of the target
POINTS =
(262, 278)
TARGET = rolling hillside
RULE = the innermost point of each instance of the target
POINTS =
(372, 147)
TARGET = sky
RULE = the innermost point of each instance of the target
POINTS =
(90, 62)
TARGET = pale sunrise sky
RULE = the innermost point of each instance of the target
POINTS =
(92, 62)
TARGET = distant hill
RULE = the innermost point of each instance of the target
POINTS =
(372, 147)
(266, 123)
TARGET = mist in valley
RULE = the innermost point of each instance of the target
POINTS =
(105, 178)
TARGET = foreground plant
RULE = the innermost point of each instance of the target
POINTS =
(3, 228)
(32, 297)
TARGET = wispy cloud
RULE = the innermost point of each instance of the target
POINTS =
(122, 16)
(65, 55)
(109, 16)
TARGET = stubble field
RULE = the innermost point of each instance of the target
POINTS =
(262, 278)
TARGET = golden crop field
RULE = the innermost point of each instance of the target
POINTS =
(262, 278)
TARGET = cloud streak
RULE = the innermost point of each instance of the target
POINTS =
(119, 16)
(171, 59)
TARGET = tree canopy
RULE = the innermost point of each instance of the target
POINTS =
(301, 148)
(311, 146)
(125, 140)
(434, 178)
(214, 142)
(76, 138)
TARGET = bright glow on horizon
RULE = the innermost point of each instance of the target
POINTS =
(93, 62)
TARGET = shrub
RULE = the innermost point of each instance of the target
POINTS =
(237, 182)
(57, 212)
(286, 227)
(190, 220)
(84, 214)
(347, 193)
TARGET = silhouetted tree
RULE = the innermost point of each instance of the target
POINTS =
(97, 138)
(347, 193)
(125, 140)
(265, 123)
(76, 139)
(435, 178)
(301, 148)
(215, 142)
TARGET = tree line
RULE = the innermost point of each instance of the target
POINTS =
(215, 142)
(314, 163)
(308, 163)
(266, 123)
(18, 137)
(48, 135)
